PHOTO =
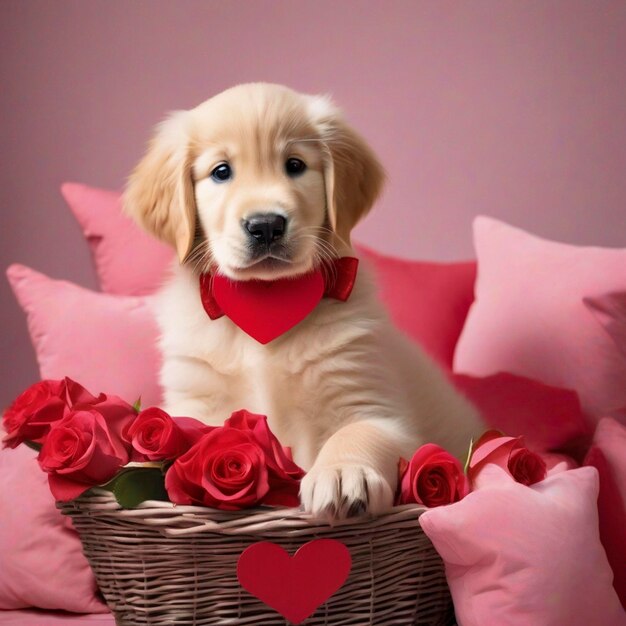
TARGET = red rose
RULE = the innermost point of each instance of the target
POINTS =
(432, 477)
(84, 449)
(526, 467)
(31, 414)
(284, 475)
(226, 469)
(155, 436)
(510, 454)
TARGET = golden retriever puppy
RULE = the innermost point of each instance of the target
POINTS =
(261, 182)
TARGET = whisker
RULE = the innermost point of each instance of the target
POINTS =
(327, 246)
(324, 229)
(201, 257)
(324, 253)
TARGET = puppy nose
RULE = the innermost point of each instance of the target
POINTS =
(265, 227)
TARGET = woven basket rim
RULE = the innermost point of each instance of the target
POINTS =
(176, 519)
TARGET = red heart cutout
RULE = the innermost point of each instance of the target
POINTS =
(267, 309)
(294, 586)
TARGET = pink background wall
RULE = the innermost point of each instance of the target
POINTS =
(512, 109)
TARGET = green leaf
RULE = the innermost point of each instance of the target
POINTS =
(469, 455)
(32, 445)
(133, 486)
(137, 405)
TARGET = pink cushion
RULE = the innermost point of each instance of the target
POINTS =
(48, 618)
(105, 342)
(608, 456)
(549, 418)
(41, 558)
(518, 555)
(128, 261)
(529, 317)
(428, 301)
(610, 311)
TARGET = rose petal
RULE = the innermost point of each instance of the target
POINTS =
(483, 451)
(77, 394)
(65, 489)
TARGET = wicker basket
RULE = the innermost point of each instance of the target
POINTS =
(167, 565)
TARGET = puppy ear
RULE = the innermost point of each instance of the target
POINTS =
(160, 194)
(353, 174)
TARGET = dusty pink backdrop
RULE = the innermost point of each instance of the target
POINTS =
(512, 109)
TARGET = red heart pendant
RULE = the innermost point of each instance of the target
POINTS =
(267, 309)
(294, 586)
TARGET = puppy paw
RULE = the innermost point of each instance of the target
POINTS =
(345, 491)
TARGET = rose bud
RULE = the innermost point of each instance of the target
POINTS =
(433, 477)
(155, 436)
(526, 467)
(508, 453)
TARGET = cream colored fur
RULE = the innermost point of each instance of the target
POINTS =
(344, 389)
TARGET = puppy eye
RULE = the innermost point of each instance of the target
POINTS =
(222, 173)
(294, 167)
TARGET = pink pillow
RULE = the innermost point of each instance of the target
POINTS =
(106, 342)
(549, 418)
(41, 558)
(518, 555)
(429, 301)
(35, 617)
(608, 456)
(529, 317)
(128, 261)
(610, 311)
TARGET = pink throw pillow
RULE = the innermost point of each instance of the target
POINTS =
(429, 301)
(549, 418)
(529, 317)
(520, 555)
(128, 261)
(105, 342)
(41, 558)
(36, 617)
(610, 311)
(608, 456)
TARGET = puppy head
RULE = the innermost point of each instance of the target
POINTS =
(257, 182)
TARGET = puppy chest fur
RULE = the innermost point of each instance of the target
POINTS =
(303, 381)
(342, 364)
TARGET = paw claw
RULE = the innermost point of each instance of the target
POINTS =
(357, 508)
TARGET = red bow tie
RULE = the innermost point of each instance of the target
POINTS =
(265, 309)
